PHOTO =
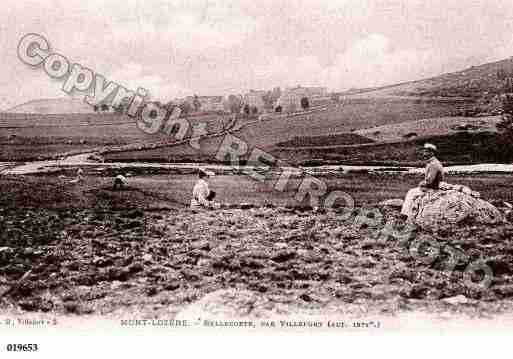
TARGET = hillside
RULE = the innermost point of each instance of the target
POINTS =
(52, 106)
(430, 127)
(460, 94)
(475, 82)
(267, 134)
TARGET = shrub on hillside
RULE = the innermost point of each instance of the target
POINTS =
(506, 124)
(305, 104)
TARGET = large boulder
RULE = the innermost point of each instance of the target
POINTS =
(435, 209)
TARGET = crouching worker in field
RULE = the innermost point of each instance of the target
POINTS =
(434, 174)
(202, 196)
(120, 182)
(79, 177)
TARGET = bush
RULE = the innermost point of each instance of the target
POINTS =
(506, 124)
(305, 104)
(507, 104)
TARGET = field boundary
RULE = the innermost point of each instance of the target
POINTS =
(237, 126)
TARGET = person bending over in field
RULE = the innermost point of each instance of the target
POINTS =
(79, 177)
(202, 196)
(120, 182)
(434, 174)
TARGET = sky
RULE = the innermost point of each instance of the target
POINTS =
(178, 48)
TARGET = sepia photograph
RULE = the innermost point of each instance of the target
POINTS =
(192, 168)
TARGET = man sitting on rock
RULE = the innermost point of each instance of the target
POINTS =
(433, 176)
(202, 196)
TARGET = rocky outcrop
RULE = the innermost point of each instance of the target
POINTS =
(454, 204)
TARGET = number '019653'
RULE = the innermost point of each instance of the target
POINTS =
(22, 347)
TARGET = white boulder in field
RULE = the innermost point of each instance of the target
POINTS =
(396, 202)
(435, 209)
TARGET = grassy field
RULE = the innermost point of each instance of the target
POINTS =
(94, 125)
(458, 148)
(329, 140)
(172, 189)
(22, 138)
(112, 128)
(427, 128)
(453, 149)
(25, 137)
(267, 134)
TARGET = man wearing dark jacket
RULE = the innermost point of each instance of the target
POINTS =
(434, 174)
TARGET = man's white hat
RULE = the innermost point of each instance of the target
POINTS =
(430, 146)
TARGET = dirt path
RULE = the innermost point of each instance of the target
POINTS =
(82, 160)
(43, 166)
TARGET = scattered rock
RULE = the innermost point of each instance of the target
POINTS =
(116, 273)
(136, 213)
(36, 304)
(201, 245)
(190, 275)
(22, 289)
(6, 250)
(504, 291)
(396, 203)
(172, 286)
(132, 224)
(345, 295)
(305, 297)
(459, 299)
(246, 206)
(284, 256)
(251, 263)
(416, 292)
(102, 262)
(135, 268)
(151, 291)
(229, 303)
(77, 308)
(236, 249)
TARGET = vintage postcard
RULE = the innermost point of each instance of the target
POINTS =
(172, 167)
